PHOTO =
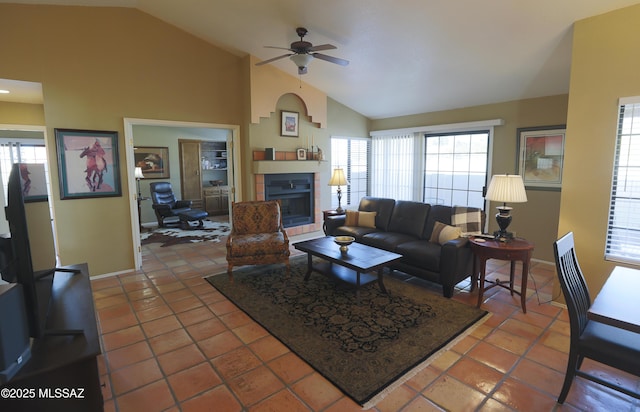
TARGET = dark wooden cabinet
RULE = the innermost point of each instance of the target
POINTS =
(191, 173)
(62, 374)
(216, 200)
(203, 168)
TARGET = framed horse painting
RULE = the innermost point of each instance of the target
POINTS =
(153, 161)
(88, 163)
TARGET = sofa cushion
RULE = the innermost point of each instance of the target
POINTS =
(409, 217)
(421, 253)
(442, 233)
(386, 240)
(468, 219)
(383, 208)
(438, 213)
(362, 219)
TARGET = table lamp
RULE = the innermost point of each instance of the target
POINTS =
(138, 176)
(505, 188)
(338, 179)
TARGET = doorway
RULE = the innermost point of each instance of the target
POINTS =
(232, 140)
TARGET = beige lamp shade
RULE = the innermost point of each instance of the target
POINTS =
(506, 189)
(138, 173)
(338, 178)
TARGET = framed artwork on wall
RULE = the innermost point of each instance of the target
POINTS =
(88, 163)
(541, 156)
(289, 124)
(33, 182)
(154, 161)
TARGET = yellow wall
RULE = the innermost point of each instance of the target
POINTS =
(536, 220)
(605, 66)
(21, 114)
(97, 66)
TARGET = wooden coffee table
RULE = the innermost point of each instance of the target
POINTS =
(352, 267)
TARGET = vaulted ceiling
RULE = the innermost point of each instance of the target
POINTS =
(406, 56)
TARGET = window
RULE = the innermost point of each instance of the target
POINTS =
(443, 164)
(394, 166)
(623, 232)
(455, 168)
(351, 154)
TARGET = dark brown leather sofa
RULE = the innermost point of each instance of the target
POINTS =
(405, 227)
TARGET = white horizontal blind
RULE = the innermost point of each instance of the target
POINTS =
(352, 155)
(623, 233)
(392, 166)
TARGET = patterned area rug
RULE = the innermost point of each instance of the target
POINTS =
(169, 236)
(366, 349)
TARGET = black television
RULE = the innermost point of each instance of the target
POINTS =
(36, 284)
(28, 213)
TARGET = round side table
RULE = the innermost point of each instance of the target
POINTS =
(514, 250)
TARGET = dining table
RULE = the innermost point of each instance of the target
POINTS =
(618, 304)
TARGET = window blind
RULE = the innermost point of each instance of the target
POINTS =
(352, 155)
(392, 166)
(623, 233)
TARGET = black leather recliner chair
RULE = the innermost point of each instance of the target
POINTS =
(165, 204)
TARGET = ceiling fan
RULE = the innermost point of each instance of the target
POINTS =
(304, 52)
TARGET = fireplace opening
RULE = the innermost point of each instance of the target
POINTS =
(296, 194)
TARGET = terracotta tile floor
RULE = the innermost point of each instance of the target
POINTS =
(171, 342)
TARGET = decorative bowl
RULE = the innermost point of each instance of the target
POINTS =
(344, 242)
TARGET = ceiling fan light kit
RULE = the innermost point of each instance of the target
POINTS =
(304, 52)
(301, 60)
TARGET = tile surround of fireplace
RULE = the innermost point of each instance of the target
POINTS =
(317, 215)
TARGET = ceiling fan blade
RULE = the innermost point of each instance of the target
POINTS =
(322, 47)
(302, 70)
(341, 62)
(274, 59)
(276, 47)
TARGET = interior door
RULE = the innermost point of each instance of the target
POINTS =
(190, 175)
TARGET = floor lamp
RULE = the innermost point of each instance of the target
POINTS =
(138, 176)
(505, 188)
(338, 179)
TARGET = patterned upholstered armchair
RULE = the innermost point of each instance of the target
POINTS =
(257, 236)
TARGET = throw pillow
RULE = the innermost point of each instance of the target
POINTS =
(362, 219)
(468, 219)
(442, 233)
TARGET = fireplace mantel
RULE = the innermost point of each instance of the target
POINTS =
(265, 167)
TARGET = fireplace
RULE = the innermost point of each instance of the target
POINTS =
(296, 194)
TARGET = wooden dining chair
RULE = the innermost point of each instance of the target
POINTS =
(602, 343)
